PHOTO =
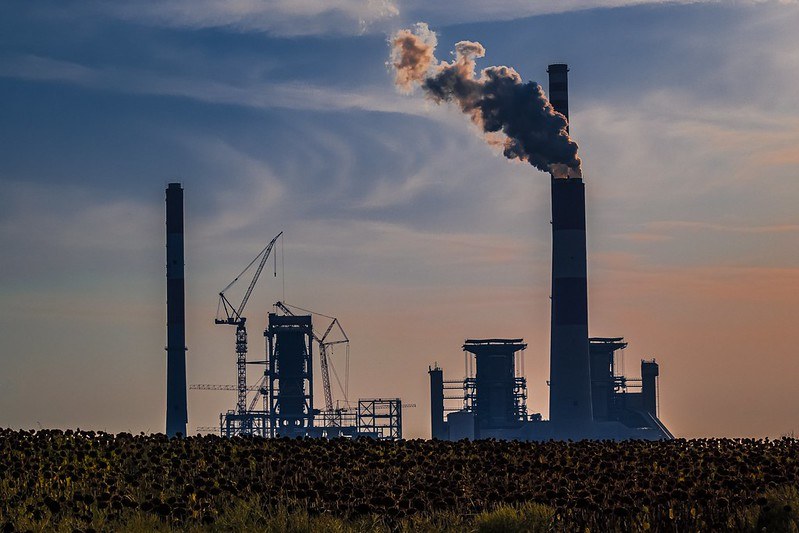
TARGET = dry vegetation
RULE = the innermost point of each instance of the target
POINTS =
(67, 481)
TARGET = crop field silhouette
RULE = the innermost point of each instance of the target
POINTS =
(83, 481)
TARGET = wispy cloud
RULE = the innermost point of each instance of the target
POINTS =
(290, 95)
(319, 17)
(480, 11)
(445, 248)
(280, 17)
(251, 186)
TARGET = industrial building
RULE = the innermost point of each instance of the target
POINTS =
(588, 398)
(286, 392)
(282, 403)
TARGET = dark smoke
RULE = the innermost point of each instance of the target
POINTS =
(515, 115)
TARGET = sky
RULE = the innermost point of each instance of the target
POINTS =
(399, 220)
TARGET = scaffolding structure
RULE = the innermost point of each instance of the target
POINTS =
(495, 393)
(337, 418)
(380, 418)
(286, 393)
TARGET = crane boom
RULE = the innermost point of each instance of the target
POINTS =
(233, 315)
(266, 253)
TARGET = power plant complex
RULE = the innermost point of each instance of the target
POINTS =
(589, 397)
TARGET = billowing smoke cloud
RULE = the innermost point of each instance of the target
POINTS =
(514, 115)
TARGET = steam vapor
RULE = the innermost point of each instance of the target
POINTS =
(514, 115)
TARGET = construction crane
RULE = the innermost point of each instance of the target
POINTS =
(324, 344)
(227, 313)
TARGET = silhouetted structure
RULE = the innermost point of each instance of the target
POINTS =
(290, 375)
(438, 427)
(491, 402)
(286, 390)
(617, 398)
(243, 420)
(570, 373)
(498, 397)
(559, 88)
(589, 398)
(176, 408)
(380, 418)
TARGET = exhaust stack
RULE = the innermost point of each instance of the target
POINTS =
(570, 371)
(438, 426)
(176, 405)
(559, 88)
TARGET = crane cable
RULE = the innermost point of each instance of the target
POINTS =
(309, 311)
(344, 388)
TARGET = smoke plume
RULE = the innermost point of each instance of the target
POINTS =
(514, 115)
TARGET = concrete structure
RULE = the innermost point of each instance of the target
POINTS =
(559, 88)
(460, 425)
(176, 406)
(290, 374)
(570, 378)
(498, 400)
(570, 373)
(649, 386)
(438, 426)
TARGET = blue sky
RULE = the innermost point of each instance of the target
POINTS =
(398, 218)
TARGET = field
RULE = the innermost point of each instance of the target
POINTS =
(67, 481)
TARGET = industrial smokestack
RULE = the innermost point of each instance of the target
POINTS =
(570, 370)
(437, 424)
(176, 408)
